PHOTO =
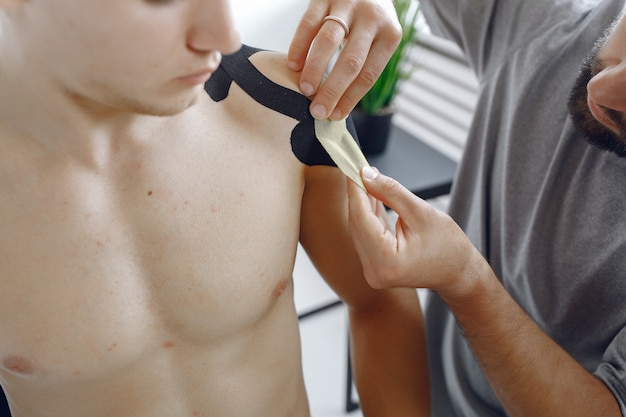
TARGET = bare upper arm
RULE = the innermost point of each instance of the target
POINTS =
(324, 230)
(325, 236)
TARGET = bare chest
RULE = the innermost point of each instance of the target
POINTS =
(177, 248)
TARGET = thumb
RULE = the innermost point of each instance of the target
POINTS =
(388, 190)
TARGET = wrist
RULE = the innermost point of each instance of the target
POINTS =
(471, 283)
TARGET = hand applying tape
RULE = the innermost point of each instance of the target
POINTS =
(339, 143)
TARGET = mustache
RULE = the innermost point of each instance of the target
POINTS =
(595, 132)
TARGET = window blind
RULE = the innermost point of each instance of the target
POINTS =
(437, 102)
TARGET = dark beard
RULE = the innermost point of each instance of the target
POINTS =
(595, 132)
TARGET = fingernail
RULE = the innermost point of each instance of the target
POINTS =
(293, 65)
(307, 89)
(318, 111)
(369, 173)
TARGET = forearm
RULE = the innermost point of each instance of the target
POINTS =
(529, 372)
(389, 357)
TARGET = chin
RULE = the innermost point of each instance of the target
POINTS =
(165, 108)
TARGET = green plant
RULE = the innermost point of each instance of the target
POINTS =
(381, 95)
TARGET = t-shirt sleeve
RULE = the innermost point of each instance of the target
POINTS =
(612, 371)
(488, 31)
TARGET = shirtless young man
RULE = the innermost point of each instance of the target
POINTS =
(148, 232)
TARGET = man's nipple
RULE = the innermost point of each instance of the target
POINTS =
(18, 364)
(279, 289)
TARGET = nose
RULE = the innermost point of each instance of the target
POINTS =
(608, 87)
(213, 28)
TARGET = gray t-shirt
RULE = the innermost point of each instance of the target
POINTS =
(546, 209)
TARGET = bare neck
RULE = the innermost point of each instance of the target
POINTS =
(34, 108)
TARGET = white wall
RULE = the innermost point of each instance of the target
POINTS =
(268, 24)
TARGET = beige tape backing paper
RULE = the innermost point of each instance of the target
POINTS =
(342, 148)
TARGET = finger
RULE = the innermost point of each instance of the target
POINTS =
(379, 208)
(347, 69)
(375, 207)
(374, 36)
(374, 243)
(325, 45)
(363, 215)
(394, 195)
(371, 66)
(307, 29)
(382, 213)
(360, 203)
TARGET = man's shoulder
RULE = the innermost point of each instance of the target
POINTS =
(273, 65)
(263, 76)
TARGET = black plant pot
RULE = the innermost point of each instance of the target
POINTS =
(373, 130)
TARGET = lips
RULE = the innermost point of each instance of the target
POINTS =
(199, 77)
(202, 75)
